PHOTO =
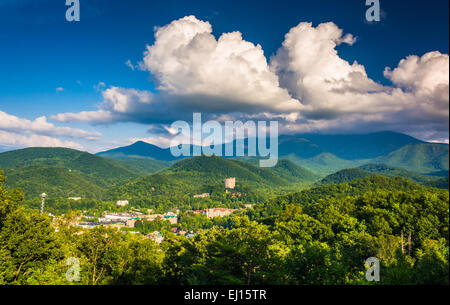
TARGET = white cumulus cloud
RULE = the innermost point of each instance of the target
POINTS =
(306, 84)
(41, 126)
(16, 140)
(230, 73)
(119, 104)
(339, 96)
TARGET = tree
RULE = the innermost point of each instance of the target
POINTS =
(28, 243)
(101, 254)
(432, 265)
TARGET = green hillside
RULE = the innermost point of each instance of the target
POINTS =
(324, 154)
(391, 171)
(349, 146)
(102, 171)
(216, 168)
(326, 163)
(441, 183)
(346, 175)
(368, 170)
(71, 173)
(320, 236)
(143, 166)
(62, 172)
(329, 192)
(293, 172)
(302, 146)
(66, 173)
(421, 158)
(55, 181)
(176, 186)
(139, 149)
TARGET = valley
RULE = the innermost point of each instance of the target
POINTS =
(316, 199)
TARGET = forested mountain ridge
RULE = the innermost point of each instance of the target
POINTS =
(62, 172)
(66, 173)
(368, 170)
(326, 154)
(320, 236)
(220, 168)
(95, 166)
(352, 188)
(57, 170)
(139, 149)
(421, 158)
(56, 181)
(345, 146)
(348, 147)
(176, 186)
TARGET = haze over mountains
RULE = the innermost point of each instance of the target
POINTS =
(349, 147)
(61, 171)
(369, 170)
(304, 160)
(325, 154)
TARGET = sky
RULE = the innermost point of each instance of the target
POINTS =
(128, 69)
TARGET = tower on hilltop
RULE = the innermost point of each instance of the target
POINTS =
(230, 183)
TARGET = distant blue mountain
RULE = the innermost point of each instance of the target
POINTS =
(325, 154)
(139, 149)
(349, 147)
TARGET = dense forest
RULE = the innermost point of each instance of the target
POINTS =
(367, 170)
(61, 174)
(318, 236)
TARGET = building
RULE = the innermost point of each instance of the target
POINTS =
(216, 212)
(169, 216)
(122, 203)
(156, 236)
(131, 222)
(205, 195)
(88, 225)
(119, 216)
(74, 198)
(230, 183)
(173, 219)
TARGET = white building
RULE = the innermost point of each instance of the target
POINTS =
(205, 195)
(122, 203)
(230, 183)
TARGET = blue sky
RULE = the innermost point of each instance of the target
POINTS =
(49, 66)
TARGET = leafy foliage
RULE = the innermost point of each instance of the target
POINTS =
(421, 158)
(175, 187)
(61, 172)
(368, 170)
(320, 236)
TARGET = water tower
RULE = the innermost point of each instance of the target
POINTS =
(43, 195)
(230, 183)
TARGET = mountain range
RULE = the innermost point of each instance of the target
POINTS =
(304, 159)
(326, 154)
(62, 171)
(369, 170)
(349, 147)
